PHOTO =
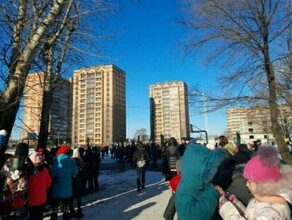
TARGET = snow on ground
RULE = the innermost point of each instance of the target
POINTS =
(118, 198)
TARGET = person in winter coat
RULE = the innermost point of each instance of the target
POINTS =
(195, 196)
(38, 186)
(63, 171)
(170, 211)
(172, 155)
(14, 173)
(77, 186)
(229, 174)
(269, 183)
(141, 159)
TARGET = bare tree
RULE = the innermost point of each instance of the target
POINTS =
(63, 47)
(142, 134)
(247, 38)
(25, 36)
(66, 28)
(27, 27)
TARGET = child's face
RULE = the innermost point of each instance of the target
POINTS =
(252, 186)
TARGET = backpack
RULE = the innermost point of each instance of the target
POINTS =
(14, 186)
(142, 162)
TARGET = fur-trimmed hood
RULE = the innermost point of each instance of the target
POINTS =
(281, 187)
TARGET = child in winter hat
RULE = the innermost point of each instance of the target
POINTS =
(38, 186)
(269, 184)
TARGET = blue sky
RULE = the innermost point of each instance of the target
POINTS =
(148, 48)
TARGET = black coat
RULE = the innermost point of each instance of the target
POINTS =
(172, 155)
(141, 152)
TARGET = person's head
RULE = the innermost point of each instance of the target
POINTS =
(263, 171)
(65, 149)
(183, 140)
(36, 158)
(204, 161)
(140, 144)
(256, 145)
(21, 150)
(242, 147)
(172, 142)
(223, 140)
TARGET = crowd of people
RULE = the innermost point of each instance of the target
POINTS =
(229, 182)
(52, 181)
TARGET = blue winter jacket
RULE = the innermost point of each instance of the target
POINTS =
(195, 197)
(63, 170)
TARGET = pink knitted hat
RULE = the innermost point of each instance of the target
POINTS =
(263, 167)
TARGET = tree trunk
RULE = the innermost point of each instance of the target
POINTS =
(10, 98)
(276, 128)
(45, 119)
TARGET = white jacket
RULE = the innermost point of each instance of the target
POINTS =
(255, 211)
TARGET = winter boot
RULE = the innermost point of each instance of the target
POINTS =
(138, 185)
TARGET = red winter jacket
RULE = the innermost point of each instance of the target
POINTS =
(174, 182)
(38, 186)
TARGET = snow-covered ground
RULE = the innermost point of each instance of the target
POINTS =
(118, 198)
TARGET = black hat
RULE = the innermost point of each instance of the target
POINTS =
(21, 150)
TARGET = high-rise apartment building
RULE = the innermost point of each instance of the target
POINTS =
(255, 123)
(169, 112)
(59, 126)
(99, 105)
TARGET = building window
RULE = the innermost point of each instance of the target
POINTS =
(251, 137)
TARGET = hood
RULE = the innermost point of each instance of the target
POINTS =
(199, 165)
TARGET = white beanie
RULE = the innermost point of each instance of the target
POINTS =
(3, 132)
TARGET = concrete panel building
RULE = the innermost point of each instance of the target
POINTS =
(255, 123)
(59, 125)
(169, 114)
(99, 105)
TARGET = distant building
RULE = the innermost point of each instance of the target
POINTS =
(169, 115)
(255, 123)
(59, 126)
(99, 105)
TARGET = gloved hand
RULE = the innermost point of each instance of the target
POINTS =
(222, 201)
